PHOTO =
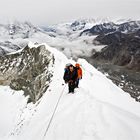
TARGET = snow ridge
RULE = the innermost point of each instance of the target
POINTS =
(98, 110)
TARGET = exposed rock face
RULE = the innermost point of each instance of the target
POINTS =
(100, 29)
(27, 70)
(78, 25)
(122, 49)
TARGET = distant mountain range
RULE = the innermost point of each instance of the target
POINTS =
(122, 41)
(110, 27)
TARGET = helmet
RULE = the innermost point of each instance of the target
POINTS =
(68, 64)
(77, 65)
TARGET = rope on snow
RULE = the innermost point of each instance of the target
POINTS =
(53, 113)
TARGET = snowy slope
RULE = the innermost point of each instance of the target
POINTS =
(98, 110)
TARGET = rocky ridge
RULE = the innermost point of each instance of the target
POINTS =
(27, 70)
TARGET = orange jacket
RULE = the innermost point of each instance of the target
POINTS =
(79, 71)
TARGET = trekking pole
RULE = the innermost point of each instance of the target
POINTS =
(53, 113)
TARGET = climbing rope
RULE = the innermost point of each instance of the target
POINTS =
(53, 113)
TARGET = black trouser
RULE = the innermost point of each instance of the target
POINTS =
(71, 86)
(77, 83)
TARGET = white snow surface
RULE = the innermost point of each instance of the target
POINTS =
(98, 110)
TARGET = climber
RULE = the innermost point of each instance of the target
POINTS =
(70, 77)
(66, 67)
(79, 72)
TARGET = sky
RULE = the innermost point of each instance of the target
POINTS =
(41, 12)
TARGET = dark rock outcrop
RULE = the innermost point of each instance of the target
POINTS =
(122, 49)
(27, 70)
(78, 25)
(100, 29)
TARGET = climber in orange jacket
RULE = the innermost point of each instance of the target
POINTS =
(79, 71)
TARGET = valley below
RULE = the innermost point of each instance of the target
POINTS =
(128, 80)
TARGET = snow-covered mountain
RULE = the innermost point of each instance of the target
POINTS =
(69, 28)
(99, 40)
(97, 110)
(16, 35)
(64, 37)
(110, 27)
(77, 35)
(17, 30)
(73, 29)
(74, 38)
